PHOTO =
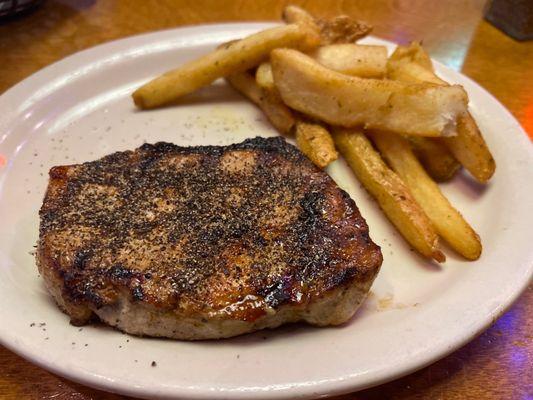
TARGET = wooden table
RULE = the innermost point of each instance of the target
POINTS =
(496, 365)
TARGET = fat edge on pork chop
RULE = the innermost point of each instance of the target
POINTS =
(203, 242)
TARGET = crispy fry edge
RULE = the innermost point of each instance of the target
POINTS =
(448, 222)
(391, 194)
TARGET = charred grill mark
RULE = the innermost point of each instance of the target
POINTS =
(80, 290)
(119, 273)
(278, 293)
(311, 217)
(137, 293)
(280, 241)
(81, 258)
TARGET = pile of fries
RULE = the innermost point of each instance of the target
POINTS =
(398, 125)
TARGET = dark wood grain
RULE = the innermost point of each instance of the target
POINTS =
(497, 364)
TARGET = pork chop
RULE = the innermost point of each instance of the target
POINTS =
(203, 242)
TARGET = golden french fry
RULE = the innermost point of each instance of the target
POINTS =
(342, 29)
(234, 57)
(264, 77)
(364, 61)
(412, 64)
(414, 53)
(412, 73)
(471, 150)
(296, 15)
(348, 58)
(448, 222)
(338, 99)
(439, 163)
(275, 110)
(312, 139)
(390, 192)
(315, 142)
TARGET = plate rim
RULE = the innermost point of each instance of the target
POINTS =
(331, 387)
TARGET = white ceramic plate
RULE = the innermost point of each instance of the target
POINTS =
(79, 109)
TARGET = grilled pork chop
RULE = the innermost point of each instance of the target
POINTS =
(203, 242)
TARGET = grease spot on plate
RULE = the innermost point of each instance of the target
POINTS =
(387, 303)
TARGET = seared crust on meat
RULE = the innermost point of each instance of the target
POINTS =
(203, 242)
